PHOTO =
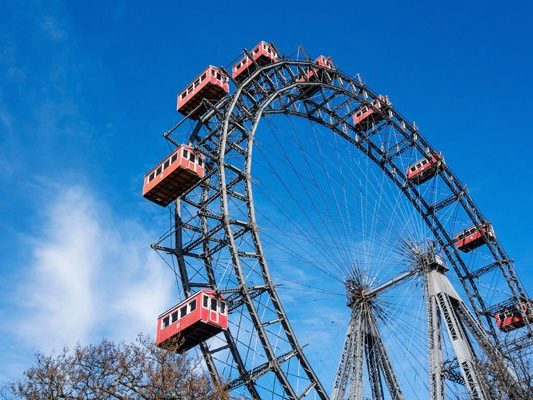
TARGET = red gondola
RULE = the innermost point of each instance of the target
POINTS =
(424, 169)
(191, 322)
(511, 318)
(366, 116)
(472, 238)
(314, 74)
(211, 84)
(264, 53)
(173, 176)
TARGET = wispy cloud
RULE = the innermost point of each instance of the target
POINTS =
(90, 274)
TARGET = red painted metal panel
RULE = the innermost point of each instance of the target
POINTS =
(173, 176)
(358, 119)
(212, 84)
(365, 116)
(313, 72)
(193, 328)
(511, 318)
(263, 53)
(424, 169)
(472, 238)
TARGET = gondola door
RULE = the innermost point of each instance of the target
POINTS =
(213, 310)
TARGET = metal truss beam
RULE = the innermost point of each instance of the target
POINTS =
(257, 372)
(457, 319)
(229, 127)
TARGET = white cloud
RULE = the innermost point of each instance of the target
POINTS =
(90, 275)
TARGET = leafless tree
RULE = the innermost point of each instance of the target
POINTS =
(109, 370)
(524, 367)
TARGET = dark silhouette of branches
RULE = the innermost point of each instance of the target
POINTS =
(123, 371)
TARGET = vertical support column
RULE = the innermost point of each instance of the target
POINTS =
(506, 378)
(184, 276)
(435, 347)
(350, 368)
(384, 361)
(178, 246)
(205, 246)
(363, 341)
(356, 382)
(372, 363)
(341, 379)
(444, 295)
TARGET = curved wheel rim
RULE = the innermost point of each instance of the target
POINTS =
(226, 134)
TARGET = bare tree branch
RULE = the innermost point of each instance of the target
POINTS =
(123, 371)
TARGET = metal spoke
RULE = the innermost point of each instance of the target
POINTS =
(217, 243)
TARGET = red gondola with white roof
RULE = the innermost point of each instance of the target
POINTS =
(264, 53)
(366, 116)
(315, 74)
(474, 237)
(173, 176)
(512, 317)
(211, 84)
(191, 322)
(424, 169)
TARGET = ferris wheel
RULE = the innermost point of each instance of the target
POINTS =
(346, 261)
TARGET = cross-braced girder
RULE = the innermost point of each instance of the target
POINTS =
(446, 308)
(364, 345)
(220, 217)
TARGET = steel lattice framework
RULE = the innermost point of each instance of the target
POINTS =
(217, 217)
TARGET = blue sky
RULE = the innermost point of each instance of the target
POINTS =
(86, 90)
